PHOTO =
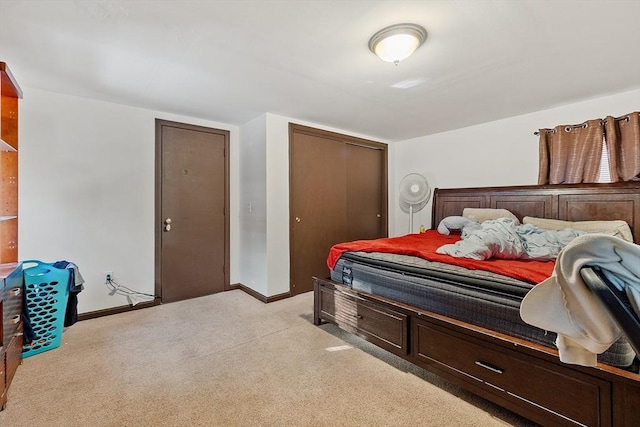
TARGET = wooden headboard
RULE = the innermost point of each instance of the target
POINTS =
(569, 202)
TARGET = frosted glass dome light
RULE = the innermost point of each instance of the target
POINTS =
(397, 42)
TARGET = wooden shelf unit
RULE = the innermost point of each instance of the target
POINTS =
(11, 279)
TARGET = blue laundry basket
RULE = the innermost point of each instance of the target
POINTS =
(46, 294)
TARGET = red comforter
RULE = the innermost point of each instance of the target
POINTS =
(424, 246)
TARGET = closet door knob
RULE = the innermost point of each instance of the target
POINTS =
(297, 219)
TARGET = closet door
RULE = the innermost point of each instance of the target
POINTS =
(338, 192)
(317, 205)
(366, 196)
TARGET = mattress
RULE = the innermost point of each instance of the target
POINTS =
(478, 297)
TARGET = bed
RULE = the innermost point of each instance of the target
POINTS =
(467, 329)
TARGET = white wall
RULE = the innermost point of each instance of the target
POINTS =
(272, 278)
(86, 190)
(86, 193)
(503, 152)
(87, 183)
(277, 161)
(253, 205)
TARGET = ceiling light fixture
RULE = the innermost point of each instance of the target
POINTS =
(397, 42)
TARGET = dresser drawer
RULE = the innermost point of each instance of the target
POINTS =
(375, 322)
(3, 373)
(12, 308)
(568, 397)
(14, 355)
(3, 368)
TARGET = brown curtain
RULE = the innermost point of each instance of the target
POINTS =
(570, 154)
(623, 145)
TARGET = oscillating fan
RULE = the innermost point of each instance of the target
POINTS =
(414, 195)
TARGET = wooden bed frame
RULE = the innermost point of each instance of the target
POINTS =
(519, 375)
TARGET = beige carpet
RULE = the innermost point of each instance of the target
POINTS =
(230, 360)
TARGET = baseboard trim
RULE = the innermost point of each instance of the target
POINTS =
(117, 310)
(258, 295)
(278, 297)
(156, 301)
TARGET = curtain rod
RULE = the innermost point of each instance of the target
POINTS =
(582, 125)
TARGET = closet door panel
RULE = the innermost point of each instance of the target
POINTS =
(318, 200)
(366, 213)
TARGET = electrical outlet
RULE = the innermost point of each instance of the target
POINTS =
(108, 276)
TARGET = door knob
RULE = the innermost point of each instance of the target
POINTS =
(297, 219)
(379, 216)
(167, 224)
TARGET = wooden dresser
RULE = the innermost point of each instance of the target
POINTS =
(11, 279)
(11, 288)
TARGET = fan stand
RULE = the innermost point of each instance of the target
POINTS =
(410, 219)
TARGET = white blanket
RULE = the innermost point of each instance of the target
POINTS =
(502, 238)
(564, 304)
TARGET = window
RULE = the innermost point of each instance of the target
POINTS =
(604, 176)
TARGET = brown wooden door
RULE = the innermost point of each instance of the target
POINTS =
(365, 205)
(192, 227)
(334, 185)
(318, 216)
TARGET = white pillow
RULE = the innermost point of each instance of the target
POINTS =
(483, 214)
(616, 228)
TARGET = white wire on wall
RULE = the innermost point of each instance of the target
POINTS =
(132, 295)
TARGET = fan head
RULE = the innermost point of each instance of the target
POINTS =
(414, 192)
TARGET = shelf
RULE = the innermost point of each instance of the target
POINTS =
(9, 84)
(5, 146)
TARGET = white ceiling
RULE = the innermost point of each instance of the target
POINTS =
(231, 61)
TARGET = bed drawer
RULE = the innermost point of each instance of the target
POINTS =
(375, 322)
(567, 397)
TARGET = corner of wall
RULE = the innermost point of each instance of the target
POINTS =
(277, 160)
(251, 219)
